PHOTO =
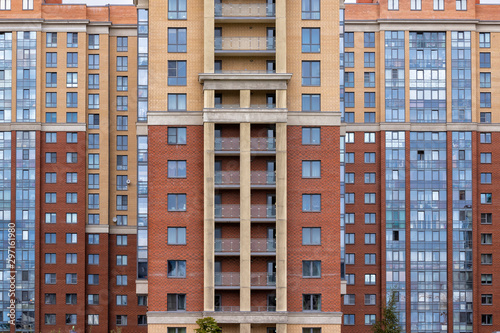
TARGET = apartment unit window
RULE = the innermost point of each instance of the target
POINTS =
(486, 218)
(71, 278)
(50, 298)
(72, 39)
(177, 73)
(122, 83)
(370, 319)
(72, 59)
(121, 260)
(311, 302)
(485, 117)
(93, 61)
(350, 279)
(93, 161)
(486, 319)
(369, 177)
(121, 280)
(370, 258)
(484, 39)
(370, 238)
(311, 135)
(121, 220)
(50, 157)
(311, 236)
(50, 318)
(51, 59)
(485, 158)
(50, 177)
(121, 300)
(310, 9)
(369, 117)
(50, 197)
(416, 5)
(50, 278)
(51, 117)
(311, 269)
(177, 10)
(349, 101)
(349, 299)
(349, 79)
(122, 202)
(311, 202)
(176, 202)
(50, 238)
(121, 64)
(310, 40)
(93, 201)
(349, 158)
(93, 101)
(122, 44)
(93, 279)
(177, 102)
(176, 236)
(369, 59)
(71, 137)
(93, 319)
(486, 259)
(93, 299)
(27, 4)
(50, 99)
(349, 178)
(486, 239)
(349, 218)
(71, 117)
(369, 198)
(93, 239)
(93, 81)
(348, 59)
(369, 39)
(349, 319)
(122, 142)
(177, 40)
(369, 79)
(349, 137)
(71, 99)
(93, 42)
(484, 59)
(369, 99)
(438, 5)
(370, 279)
(142, 320)
(50, 258)
(485, 99)
(142, 300)
(71, 177)
(486, 299)
(349, 238)
(485, 198)
(369, 157)
(121, 162)
(50, 137)
(311, 102)
(486, 178)
(348, 39)
(176, 169)
(177, 135)
(311, 169)
(311, 73)
(71, 218)
(51, 38)
(176, 268)
(50, 80)
(50, 217)
(121, 123)
(71, 258)
(485, 80)
(461, 5)
(486, 279)
(93, 141)
(176, 302)
(121, 103)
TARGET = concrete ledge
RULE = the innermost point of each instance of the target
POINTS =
(97, 229)
(141, 287)
(263, 116)
(375, 127)
(343, 287)
(141, 128)
(174, 118)
(314, 119)
(123, 230)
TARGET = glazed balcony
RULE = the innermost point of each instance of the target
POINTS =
(231, 213)
(259, 280)
(227, 146)
(263, 280)
(227, 280)
(245, 12)
(263, 179)
(227, 179)
(263, 246)
(227, 308)
(263, 308)
(263, 213)
(245, 46)
(227, 212)
(227, 246)
(263, 146)
(238, 107)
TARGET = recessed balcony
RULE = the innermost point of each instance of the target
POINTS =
(263, 246)
(245, 12)
(263, 146)
(263, 180)
(227, 213)
(263, 213)
(231, 280)
(227, 146)
(227, 280)
(263, 280)
(247, 46)
(227, 246)
(231, 213)
(227, 179)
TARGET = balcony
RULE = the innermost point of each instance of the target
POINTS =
(229, 213)
(263, 213)
(263, 179)
(252, 106)
(227, 308)
(263, 280)
(227, 280)
(263, 246)
(227, 146)
(245, 46)
(227, 179)
(263, 146)
(263, 308)
(227, 246)
(244, 12)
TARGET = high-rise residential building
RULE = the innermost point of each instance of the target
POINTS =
(244, 205)
(420, 198)
(69, 168)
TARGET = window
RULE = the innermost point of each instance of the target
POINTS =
(121, 162)
(349, 299)
(349, 318)
(369, 99)
(349, 218)
(50, 238)
(93, 141)
(50, 177)
(51, 117)
(176, 302)
(71, 117)
(50, 298)
(93, 239)
(311, 169)
(142, 320)
(348, 59)
(486, 258)
(369, 59)
(93, 279)
(369, 137)
(485, 80)
(370, 319)
(71, 137)
(177, 10)
(176, 73)
(71, 177)
(93, 81)
(369, 157)
(121, 299)
(71, 258)
(121, 103)
(177, 102)
(71, 238)
(486, 218)
(311, 102)
(93, 319)
(349, 79)
(50, 100)
(486, 279)
(93, 161)
(121, 240)
(416, 5)
(485, 117)
(50, 319)
(349, 178)
(349, 238)
(121, 64)
(370, 258)
(485, 198)
(310, 40)
(93, 202)
(176, 202)
(311, 73)
(350, 258)
(311, 135)
(71, 278)
(50, 157)
(369, 238)
(72, 39)
(369, 117)
(311, 236)
(93, 218)
(93, 259)
(176, 169)
(122, 44)
(486, 178)
(311, 202)
(121, 142)
(71, 99)
(122, 83)
(311, 269)
(50, 137)
(485, 157)
(121, 220)
(93, 42)
(50, 80)
(349, 39)
(51, 59)
(310, 9)
(438, 4)
(486, 319)
(370, 299)
(50, 218)
(71, 218)
(142, 300)
(50, 278)
(370, 279)
(461, 5)
(122, 202)
(369, 198)
(350, 279)
(485, 137)
(121, 280)
(484, 59)
(176, 268)
(50, 197)
(121, 260)
(50, 258)
(176, 236)
(311, 302)
(121, 182)
(485, 99)
(72, 59)
(369, 39)
(122, 123)
(486, 239)
(369, 79)
(51, 39)
(349, 158)
(177, 40)
(484, 39)
(486, 299)
(349, 101)
(93, 61)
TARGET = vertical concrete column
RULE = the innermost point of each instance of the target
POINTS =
(208, 232)
(245, 328)
(280, 36)
(281, 328)
(245, 98)
(281, 217)
(281, 99)
(208, 28)
(245, 225)
(208, 98)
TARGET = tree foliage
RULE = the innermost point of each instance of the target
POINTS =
(207, 325)
(389, 323)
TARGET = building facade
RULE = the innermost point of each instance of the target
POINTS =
(419, 131)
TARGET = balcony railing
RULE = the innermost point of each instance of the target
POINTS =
(227, 144)
(252, 106)
(245, 43)
(227, 178)
(263, 279)
(263, 308)
(244, 10)
(227, 279)
(227, 211)
(227, 245)
(263, 245)
(227, 308)
(263, 211)
(263, 178)
(263, 144)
